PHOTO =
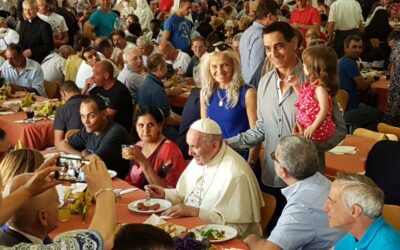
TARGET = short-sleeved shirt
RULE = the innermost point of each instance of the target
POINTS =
(379, 235)
(53, 67)
(117, 98)
(348, 69)
(308, 16)
(152, 93)
(68, 116)
(106, 145)
(30, 77)
(56, 21)
(181, 63)
(346, 14)
(303, 224)
(131, 80)
(103, 22)
(180, 29)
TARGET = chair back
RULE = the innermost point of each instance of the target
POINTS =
(370, 134)
(391, 213)
(51, 89)
(71, 133)
(268, 210)
(382, 166)
(387, 129)
(342, 98)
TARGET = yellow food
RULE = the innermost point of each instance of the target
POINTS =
(28, 100)
(168, 228)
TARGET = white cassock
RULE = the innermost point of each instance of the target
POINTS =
(225, 190)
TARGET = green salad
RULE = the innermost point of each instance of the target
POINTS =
(213, 234)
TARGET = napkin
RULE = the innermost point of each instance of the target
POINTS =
(156, 220)
(341, 150)
(7, 112)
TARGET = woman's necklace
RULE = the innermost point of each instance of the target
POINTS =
(221, 100)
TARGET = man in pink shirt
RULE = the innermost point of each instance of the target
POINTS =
(305, 17)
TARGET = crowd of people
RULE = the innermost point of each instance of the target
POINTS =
(266, 75)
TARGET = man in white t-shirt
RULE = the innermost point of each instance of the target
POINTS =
(7, 35)
(56, 21)
(179, 59)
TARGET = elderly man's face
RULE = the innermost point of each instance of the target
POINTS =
(135, 61)
(14, 59)
(30, 11)
(278, 50)
(339, 215)
(91, 117)
(201, 150)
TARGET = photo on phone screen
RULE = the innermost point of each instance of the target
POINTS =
(71, 169)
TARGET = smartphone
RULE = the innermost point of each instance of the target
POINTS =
(71, 169)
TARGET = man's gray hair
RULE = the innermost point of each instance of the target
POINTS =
(128, 51)
(360, 190)
(30, 2)
(299, 156)
(144, 41)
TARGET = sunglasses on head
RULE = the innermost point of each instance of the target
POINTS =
(220, 47)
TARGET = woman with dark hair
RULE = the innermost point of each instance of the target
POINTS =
(156, 160)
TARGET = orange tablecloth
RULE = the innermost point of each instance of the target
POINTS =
(124, 215)
(37, 135)
(382, 89)
(349, 163)
(179, 100)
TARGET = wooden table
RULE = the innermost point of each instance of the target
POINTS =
(178, 101)
(381, 88)
(124, 215)
(38, 135)
(347, 162)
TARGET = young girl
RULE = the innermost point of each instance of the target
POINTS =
(315, 97)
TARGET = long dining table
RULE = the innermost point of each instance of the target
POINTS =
(124, 215)
(38, 135)
(349, 163)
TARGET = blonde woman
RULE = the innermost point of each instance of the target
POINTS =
(224, 96)
(18, 162)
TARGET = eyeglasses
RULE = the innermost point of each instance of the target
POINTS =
(220, 47)
(273, 157)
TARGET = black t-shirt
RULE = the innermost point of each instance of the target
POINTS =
(117, 98)
(68, 116)
(107, 146)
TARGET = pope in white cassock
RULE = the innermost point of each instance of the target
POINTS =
(218, 185)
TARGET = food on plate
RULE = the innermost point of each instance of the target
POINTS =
(213, 234)
(80, 202)
(143, 207)
(28, 100)
(3, 108)
(6, 92)
(45, 110)
(169, 228)
(190, 242)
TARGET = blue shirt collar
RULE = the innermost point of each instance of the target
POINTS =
(371, 232)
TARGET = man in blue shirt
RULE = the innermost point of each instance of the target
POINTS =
(353, 82)
(303, 224)
(177, 28)
(355, 204)
(252, 53)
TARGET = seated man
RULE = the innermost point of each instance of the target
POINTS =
(152, 93)
(35, 219)
(303, 224)
(85, 70)
(67, 116)
(177, 58)
(120, 42)
(53, 65)
(353, 82)
(146, 47)
(115, 95)
(22, 73)
(355, 204)
(218, 185)
(132, 76)
(99, 136)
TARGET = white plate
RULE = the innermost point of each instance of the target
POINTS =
(51, 117)
(112, 173)
(68, 233)
(164, 205)
(230, 232)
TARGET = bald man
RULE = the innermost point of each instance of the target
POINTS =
(179, 59)
(54, 64)
(35, 219)
(132, 76)
(115, 95)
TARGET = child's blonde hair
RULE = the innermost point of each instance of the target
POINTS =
(321, 63)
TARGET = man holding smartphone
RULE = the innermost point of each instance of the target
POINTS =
(99, 136)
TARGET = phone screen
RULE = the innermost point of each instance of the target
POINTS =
(71, 169)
